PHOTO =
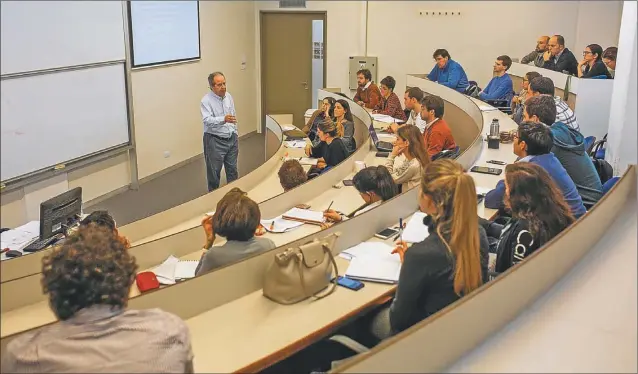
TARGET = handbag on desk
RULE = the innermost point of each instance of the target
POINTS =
(299, 273)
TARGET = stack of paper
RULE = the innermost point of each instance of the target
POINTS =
(304, 215)
(20, 237)
(172, 270)
(288, 128)
(385, 118)
(280, 225)
(486, 108)
(374, 262)
(415, 231)
(295, 144)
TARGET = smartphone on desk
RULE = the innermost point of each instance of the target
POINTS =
(486, 170)
(348, 182)
(496, 162)
(386, 233)
(350, 284)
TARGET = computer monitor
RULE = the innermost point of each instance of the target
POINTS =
(59, 213)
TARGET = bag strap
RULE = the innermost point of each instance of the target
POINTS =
(566, 91)
(320, 295)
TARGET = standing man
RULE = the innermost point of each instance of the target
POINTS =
(221, 143)
(368, 94)
(559, 58)
(536, 56)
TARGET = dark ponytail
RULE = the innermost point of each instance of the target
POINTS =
(376, 179)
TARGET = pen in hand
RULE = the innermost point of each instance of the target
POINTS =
(399, 235)
(329, 206)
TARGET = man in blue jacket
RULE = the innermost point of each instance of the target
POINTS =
(533, 143)
(448, 72)
(569, 148)
(501, 86)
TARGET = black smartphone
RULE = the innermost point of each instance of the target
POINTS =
(350, 284)
(348, 182)
(486, 170)
(382, 154)
(496, 162)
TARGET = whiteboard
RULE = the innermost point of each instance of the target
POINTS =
(38, 35)
(164, 31)
(52, 118)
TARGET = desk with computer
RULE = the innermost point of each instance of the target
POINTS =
(58, 216)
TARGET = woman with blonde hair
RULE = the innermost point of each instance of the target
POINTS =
(451, 262)
(410, 144)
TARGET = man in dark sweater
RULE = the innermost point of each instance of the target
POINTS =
(569, 148)
(559, 58)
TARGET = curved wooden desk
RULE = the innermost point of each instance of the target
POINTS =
(246, 276)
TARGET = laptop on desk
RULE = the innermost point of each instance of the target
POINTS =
(380, 145)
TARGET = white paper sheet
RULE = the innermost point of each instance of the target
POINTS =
(186, 269)
(486, 108)
(165, 272)
(385, 118)
(303, 160)
(288, 127)
(295, 144)
(482, 190)
(21, 236)
(415, 231)
(280, 225)
(378, 250)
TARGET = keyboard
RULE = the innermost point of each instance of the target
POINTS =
(39, 244)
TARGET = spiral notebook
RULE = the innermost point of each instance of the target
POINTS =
(186, 269)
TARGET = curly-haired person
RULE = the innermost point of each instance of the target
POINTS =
(87, 280)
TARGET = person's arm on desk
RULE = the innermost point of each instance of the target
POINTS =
(494, 198)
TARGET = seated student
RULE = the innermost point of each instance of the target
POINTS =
(326, 111)
(368, 94)
(345, 125)
(518, 102)
(564, 114)
(592, 64)
(533, 143)
(104, 219)
(448, 72)
(330, 151)
(87, 280)
(412, 100)
(501, 86)
(539, 212)
(437, 136)
(559, 58)
(389, 104)
(291, 174)
(609, 58)
(236, 218)
(410, 144)
(450, 263)
(536, 56)
(375, 185)
(569, 149)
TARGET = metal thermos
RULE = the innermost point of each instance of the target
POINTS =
(495, 129)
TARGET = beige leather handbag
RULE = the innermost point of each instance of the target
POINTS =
(299, 273)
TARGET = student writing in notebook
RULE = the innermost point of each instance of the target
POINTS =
(450, 262)
(375, 185)
(539, 212)
(87, 281)
(406, 171)
(331, 150)
(236, 219)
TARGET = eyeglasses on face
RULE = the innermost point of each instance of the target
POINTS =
(585, 53)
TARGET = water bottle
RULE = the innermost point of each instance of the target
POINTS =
(495, 128)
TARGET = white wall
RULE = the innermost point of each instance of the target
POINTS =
(621, 148)
(597, 23)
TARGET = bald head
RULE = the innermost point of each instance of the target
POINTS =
(541, 43)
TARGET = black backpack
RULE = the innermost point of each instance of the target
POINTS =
(604, 169)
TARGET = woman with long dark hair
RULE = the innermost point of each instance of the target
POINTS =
(345, 124)
(326, 111)
(539, 213)
(592, 64)
(410, 144)
(331, 149)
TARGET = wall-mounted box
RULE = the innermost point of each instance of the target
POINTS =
(360, 62)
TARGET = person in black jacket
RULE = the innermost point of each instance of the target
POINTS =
(559, 58)
(450, 263)
(539, 213)
(592, 64)
(331, 150)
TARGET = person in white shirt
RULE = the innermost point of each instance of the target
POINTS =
(375, 185)
(412, 101)
(407, 171)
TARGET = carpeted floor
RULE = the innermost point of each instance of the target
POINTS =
(177, 186)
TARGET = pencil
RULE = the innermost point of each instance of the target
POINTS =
(272, 225)
(330, 205)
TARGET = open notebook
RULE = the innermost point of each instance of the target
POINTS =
(373, 262)
(279, 225)
(172, 270)
(304, 215)
(303, 160)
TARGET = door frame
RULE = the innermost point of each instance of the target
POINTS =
(262, 13)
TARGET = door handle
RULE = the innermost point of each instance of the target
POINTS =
(305, 85)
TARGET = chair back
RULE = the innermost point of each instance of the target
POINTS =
(448, 153)
(589, 143)
(609, 184)
(599, 77)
